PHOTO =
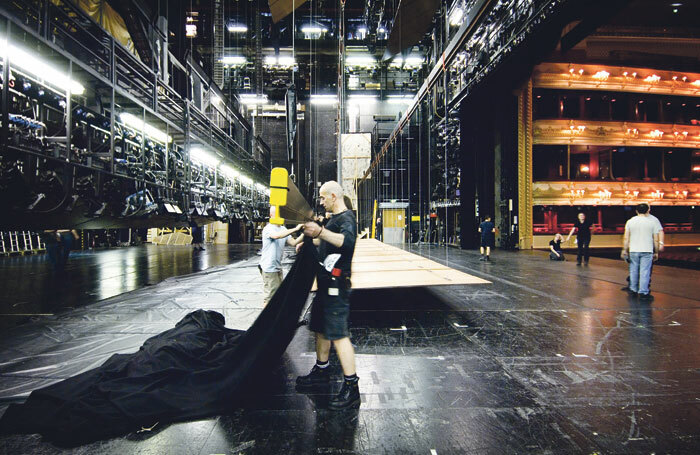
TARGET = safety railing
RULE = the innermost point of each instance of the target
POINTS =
(134, 77)
(78, 35)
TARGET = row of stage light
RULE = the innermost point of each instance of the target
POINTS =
(51, 77)
(331, 99)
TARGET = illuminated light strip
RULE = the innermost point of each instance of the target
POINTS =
(253, 99)
(237, 28)
(313, 29)
(202, 156)
(233, 60)
(229, 172)
(281, 60)
(360, 60)
(48, 74)
(324, 100)
(136, 123)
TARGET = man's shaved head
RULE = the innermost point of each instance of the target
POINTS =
(332, 187)
(331, 197)
(273, 211)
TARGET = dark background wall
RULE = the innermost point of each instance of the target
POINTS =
(316, 140)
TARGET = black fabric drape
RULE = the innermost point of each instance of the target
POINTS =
(197, 369)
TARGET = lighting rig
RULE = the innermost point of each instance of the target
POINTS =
(70, 162)
(446, 171)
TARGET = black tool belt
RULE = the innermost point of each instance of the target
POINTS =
(327, 280)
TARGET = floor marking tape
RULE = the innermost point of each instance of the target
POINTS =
(402, 329)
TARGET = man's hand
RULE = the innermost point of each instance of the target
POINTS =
(299, 227)
(656, 257)
(312, 229)
(624, 255)
(299, 245)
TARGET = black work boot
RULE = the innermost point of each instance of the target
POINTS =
(317, 376)
(348, 397)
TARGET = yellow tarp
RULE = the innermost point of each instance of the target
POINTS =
(110, 20)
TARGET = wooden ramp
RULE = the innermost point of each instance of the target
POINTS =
(378, 265)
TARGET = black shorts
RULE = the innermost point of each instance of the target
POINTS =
(330, 314)
(488, 241)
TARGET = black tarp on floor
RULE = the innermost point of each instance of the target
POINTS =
(196, 369)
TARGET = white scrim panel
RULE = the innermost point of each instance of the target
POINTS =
(356, 153)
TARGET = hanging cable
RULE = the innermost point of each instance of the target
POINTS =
(446, 120)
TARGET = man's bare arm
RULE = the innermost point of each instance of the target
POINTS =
(291, 241)
(286, 232)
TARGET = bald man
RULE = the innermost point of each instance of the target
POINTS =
(330, 309)
(274, 238)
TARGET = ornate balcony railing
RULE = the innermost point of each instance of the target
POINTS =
(616, 193)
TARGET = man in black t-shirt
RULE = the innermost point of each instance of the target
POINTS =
(330, 309)
(583, 237)
(555, 253)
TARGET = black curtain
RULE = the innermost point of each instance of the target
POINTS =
(197, 369)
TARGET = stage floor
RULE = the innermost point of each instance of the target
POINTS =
(547, 358)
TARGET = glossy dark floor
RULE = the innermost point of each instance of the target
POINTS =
(549, 358)
(29, 285)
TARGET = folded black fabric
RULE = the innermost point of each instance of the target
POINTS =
(197, 369)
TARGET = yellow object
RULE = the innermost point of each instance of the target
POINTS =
(278, 192)
(393, 218)
(110, 20)
(283, 8)
(525, 195)
(374, 220)
(276, 219)
(415, 218)
(278, 186)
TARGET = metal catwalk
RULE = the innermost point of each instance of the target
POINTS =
(550, 357)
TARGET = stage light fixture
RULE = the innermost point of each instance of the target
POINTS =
(229, 172)
(29, 63)
(202, 156)
(136, 123)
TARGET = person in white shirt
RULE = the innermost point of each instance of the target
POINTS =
(274, 238)
(660, 228)
(641, 249)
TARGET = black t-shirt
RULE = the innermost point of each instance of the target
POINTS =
(343, 223)
(584, 229)
(556, 245)
(487, 229)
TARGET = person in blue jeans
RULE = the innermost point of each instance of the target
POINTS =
(641, 249)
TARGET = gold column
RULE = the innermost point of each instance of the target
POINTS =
(525, 199)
